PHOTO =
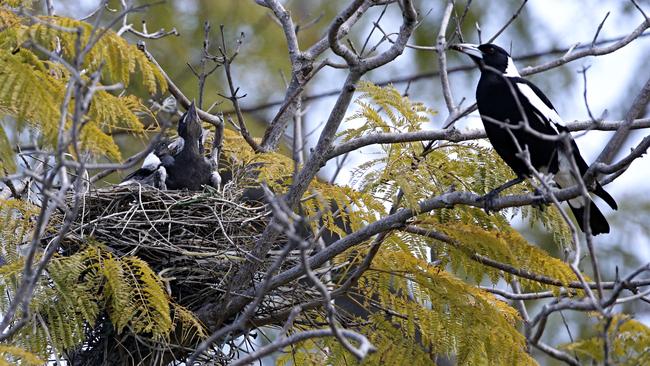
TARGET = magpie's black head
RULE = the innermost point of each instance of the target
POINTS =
(193, 123)
(189, 120)
(489, 55)
(161, 150)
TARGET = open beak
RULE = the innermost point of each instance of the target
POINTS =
(192, 112)
(469, 49)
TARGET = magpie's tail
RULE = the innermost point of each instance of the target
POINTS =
(597, 221)
(602, 193)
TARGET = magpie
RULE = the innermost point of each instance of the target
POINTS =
(501, 96)
(176, 146)
(154, 168)
(190, 168)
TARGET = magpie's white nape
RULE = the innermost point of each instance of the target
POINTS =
(505, 98)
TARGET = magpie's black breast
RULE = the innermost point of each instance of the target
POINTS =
(188, 172)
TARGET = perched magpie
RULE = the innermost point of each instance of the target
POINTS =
(190, 168)
(501, 95)
(154, 168)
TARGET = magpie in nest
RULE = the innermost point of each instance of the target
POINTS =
(180, 164)
(502, 95)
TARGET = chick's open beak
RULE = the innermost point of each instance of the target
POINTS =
(192, 112)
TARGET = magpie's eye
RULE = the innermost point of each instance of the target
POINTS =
(489, 50)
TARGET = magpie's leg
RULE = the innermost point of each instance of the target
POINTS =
(547, 181)
(540, 200)
(488, 199)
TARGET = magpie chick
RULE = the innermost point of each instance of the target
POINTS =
(501, 95)
(190, 168)
(154, 168)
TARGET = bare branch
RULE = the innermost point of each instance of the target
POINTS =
(431, 74)
(365, 346)
(454, 135)
(512, 19)
(638, 105)
(441, 48)
(177, 93)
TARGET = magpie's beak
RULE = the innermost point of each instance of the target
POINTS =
(469, 49)
(192, 112)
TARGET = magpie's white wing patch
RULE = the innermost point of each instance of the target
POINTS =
(176, 146)
(547, 112)
(151, 162)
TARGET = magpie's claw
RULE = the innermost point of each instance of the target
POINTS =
(488, 201)
(539, 201)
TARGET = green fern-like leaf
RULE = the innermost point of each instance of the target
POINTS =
(10, 355)
(629, 340)
(419, 312)
(33, 87)
(81, 287)
(149, 301)
(119, 59)
(33, 95)
(504, 246)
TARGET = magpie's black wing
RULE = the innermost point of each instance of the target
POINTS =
(142, 176)
(546, 112)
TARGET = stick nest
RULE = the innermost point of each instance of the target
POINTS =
(194, 240)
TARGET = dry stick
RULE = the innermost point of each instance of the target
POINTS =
(431, 74)
(298, 141)
(624, 163)
(129, 27)
(583, 71)
(375, 26)
(205, 57)
(215, 120)
(300, 67)
(600, 27)
(234, 98)
(365, 345)
(638, 7)
(454, 135)
(302, 62)
(526, 296)
(557, 354)
(575, 171)
(441, 47)
(327, 304)
(618, 140)
(505, 26)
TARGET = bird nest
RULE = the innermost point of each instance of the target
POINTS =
(194, 240)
